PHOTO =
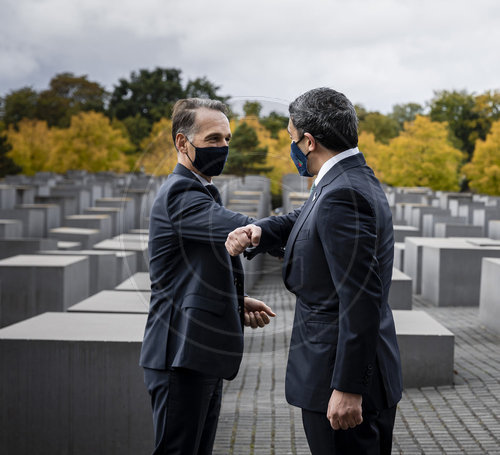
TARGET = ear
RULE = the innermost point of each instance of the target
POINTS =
(181, 143)
(311, 142)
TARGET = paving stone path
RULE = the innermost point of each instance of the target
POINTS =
(460, 419)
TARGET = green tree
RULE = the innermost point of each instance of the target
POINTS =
(407, 112)
(274, 123)
(68, 95)
(19, 104)
(457, 108)
(483, 171)
(252, 109)
(245, 154)
(150, 94)
(383, 127)
(422, 155)
(203, 88)
(7, 166)
(137, 127)
(487, 107)
(360, 112)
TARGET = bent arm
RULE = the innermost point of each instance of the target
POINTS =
(196, 216)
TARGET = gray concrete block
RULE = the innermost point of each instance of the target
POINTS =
(33, 220)
(457, 230)
(417, 214)
(139, 248)
(426, 348)
(81, 195)
(7, 197)
(67, 204)
(115, 214)
(451, 274)
(34, 284)
(409, 195)
(13, 247)
(481, 217)
(64, 245)
(70, 383)
(126, 265)
(138, 282)
(399, 256)
(400, 293)
(25, 194)
(102, 267)
(86, 237)
(143, 202)
(448, 200)
(467, 210)
(114, 302)
(489, 301)
(430, 220)
(126, 220)
(401, 232)
(100, 222)
(494, 229)
(51, 215)
(11, 229)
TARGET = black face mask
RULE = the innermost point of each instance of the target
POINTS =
(210, 161)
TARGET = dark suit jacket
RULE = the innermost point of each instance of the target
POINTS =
(338, 262)
(196, 287)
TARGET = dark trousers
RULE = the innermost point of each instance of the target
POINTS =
(372, 437)
(186, 406)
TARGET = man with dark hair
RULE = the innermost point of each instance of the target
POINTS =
(343, 367)
(193, 336)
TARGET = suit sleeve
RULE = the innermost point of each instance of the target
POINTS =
(348, 231)
(196, 216)
(275, 232)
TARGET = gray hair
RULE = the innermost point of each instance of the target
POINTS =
(184, 114)
(328, 116)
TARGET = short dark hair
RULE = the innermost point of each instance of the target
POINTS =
(184, 114)
(328, 116)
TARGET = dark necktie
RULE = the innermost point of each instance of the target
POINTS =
(212, 189)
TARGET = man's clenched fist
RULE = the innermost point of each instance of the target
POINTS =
(242, 238)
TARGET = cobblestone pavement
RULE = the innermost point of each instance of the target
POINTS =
(459, 419)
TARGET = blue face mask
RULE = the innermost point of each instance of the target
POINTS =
(299, 158)
(210, 161)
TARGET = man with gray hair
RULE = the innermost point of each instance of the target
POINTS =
(193, 336)
(343, 367)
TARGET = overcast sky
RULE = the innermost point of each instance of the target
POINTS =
(377, 52)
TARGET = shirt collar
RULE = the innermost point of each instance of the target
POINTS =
(201, 179)
(333, 161)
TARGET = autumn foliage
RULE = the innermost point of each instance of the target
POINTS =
(452, 143)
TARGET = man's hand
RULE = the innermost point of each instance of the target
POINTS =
(256, 313)
(344, 410)
(242, 238)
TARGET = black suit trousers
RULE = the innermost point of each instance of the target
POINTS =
(186, 406)
(372, 437)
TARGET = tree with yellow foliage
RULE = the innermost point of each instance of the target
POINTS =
(90, 143)
(373, 151)
(422, 155)
(159, 156)
(32, 144)
(483, 171)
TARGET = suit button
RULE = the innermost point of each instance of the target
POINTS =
(370, 367)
